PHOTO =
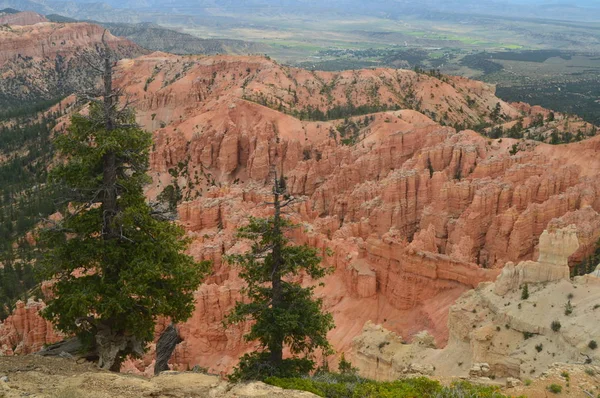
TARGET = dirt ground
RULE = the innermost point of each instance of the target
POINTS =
(36, 377)
(575, 381)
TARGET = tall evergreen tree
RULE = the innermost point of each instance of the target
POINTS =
(283, 313)
(117, 266)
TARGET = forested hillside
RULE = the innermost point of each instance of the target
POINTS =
(25, 153)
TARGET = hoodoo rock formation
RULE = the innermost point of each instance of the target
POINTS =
(415, 212)
(552, 264)
(25, 331)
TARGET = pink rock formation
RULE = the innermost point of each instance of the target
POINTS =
(25, 331)
(415, 213)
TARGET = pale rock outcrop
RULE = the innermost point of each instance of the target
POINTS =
(555, 248)
(383, 355)
(494, 332)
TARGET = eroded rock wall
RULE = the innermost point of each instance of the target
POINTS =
(415, 213)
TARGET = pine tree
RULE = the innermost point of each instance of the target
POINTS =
(284, 313)
(345, 367)
(116, 265)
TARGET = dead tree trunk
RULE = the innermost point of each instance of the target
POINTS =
(71, 347)
(165, 347)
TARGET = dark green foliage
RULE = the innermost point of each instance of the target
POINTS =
(538, 120)
(9, 110)
(333, 385)
(525, 292)
(568, 308)
(349, 130)
(589, 263)
(258, 365)
(316, 114)
(555, 326)
(417, 387)
(284, 313)
(539, 347)
(481, 61)
(171, 195)
(555, 388)
(496, 114)
(532, 55)
(576, 97)
(592, 344)
(345, 367)
(341, 111)
(25, 198)
(118, 269)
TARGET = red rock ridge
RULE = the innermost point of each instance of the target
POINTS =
(22, 18)
(49, 40)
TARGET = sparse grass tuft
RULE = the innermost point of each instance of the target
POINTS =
(590, 372)
(69, 392)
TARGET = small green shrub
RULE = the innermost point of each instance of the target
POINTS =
(256, 366)
(333, 385)
(555, 388)
(555, 325)
(345, 367)
(590, 372)
(592, 344)
(69, 392)
(525, 292)
(527, 382)
(417, 387)
(539, 347)
(568, 308)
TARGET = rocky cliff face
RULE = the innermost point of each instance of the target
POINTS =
(416, 213)
(495, 330)
(44, 60)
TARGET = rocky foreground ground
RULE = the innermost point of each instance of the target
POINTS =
(36, 377)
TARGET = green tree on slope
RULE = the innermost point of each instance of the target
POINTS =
(116, 265)
(284, 314)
